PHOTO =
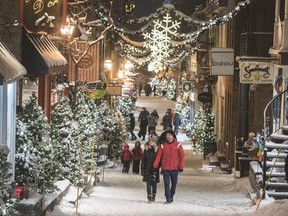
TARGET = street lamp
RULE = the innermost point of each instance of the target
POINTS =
(108, 64)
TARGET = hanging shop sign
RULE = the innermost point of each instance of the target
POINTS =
(187, 86)
(46, 16)
(256, 72)
(222, 61)
(114, 90)
(210, 79)
(205, 97)
(86, 62)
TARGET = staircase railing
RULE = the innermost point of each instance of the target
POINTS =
(275, 116)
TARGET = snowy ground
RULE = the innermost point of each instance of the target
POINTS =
(200, 192)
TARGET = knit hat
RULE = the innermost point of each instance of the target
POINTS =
(126, 145)
(169, 131)
(153, 138)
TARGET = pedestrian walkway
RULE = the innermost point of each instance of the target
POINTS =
(199, 190)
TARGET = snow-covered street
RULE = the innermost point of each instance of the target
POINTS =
(200, 192)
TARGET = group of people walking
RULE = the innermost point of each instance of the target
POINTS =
(167, 154)
(148, 121)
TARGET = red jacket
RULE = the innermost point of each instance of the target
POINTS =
(171, 156)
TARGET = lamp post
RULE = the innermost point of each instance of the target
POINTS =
(108, 71)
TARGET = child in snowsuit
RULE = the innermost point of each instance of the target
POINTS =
(126, 158)
(150, 175)
(137, 157)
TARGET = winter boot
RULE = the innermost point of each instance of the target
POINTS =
(149, 198)
(153, 197)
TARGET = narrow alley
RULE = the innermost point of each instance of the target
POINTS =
(199, 191)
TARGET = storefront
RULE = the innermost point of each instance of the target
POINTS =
(43, 63)
(10, 71)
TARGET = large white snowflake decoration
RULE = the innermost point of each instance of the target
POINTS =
(159, 40)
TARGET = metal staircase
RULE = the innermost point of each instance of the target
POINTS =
(275, 183)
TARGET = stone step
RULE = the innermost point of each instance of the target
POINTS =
(277, 164)
(277, 195)
(276, 174)
(278, 138)
(277, 184)
(273, 145)
(276, 155)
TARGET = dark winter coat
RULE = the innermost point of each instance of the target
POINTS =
(147, 170)
(166, 121)
(132, 122)
(177, 120)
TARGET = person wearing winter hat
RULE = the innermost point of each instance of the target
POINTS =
(163, 135)
(126, 158)
(171, 157)
(150, 175)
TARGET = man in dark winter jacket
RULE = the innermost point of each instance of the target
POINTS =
(171, 156)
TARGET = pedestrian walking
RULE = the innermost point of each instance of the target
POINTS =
(155, 114)
(143, 120)
(132, 126)
(166, 121)
(147, 89)
(136, 157)
(150, 175)
(140, 87)
(152, 122)
(176, 122)
(126, 158)
(171, 157)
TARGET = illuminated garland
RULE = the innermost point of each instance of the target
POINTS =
(158, 46)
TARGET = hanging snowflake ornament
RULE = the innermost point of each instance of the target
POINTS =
(159, 40)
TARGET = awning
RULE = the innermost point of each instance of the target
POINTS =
(40, 55)
(10, 67)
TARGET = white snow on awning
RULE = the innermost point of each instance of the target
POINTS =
(10, 67)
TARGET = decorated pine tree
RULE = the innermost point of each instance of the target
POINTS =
(171, 90)
(125, 107)
(182, 107)
(66, 152)
(43, 166)
(7, 202)
(119, 135)
(110, 127)
(161, 86)
(210, 125)
(198, 132)
(84, 134)
(25, 157)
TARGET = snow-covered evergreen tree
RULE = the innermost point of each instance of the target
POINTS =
(210, 125)
(182, 107)
(111, 127)
(161, 86)
(25, 159)
(171, 90)
(66, 153)
(198, 132)
(84, 133)
(125, 107)
(41, 150)
(7, 202)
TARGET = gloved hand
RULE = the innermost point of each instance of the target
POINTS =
(180, 170)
